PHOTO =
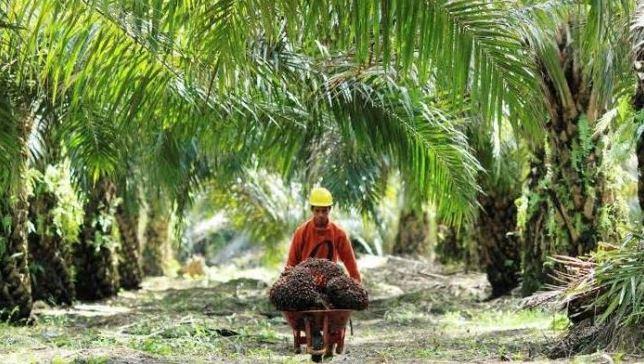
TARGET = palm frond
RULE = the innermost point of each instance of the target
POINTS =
(356, 178)
(589, 37)
(261, 204)
(606, 285)
(400, 122)
(94, 147)
(9, 149)
(469, 47)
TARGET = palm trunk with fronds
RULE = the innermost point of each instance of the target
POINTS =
(156, 239)
(602, 294)
(413, 234)
(49, 255)
(637, 32)
(498, 245)
(94, 258)
(15, 284)
(573, 188)
(130, 272)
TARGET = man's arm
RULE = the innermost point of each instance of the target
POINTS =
(295, 251)
(345, 251)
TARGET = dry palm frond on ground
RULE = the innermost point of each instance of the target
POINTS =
(604, 296)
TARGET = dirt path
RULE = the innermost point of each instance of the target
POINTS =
(418, 313)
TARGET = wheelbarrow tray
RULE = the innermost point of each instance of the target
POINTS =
(331, 322)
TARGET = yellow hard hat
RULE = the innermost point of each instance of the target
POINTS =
(320, 196)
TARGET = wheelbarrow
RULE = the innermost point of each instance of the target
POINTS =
(323, 329)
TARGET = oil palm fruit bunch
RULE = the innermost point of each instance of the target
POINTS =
(322, 271)
(294, 290)
(317, 284)
(346, 293)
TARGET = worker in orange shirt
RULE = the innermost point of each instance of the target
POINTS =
(320, 238)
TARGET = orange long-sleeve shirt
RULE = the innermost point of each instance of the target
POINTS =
(308, 238)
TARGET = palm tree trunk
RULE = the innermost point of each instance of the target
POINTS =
(449, 248)
(533, 239)
(574, 195)
(498, 246)
(640, 168)
(413, 234)
(130, 272)
(638, 99)
(573, 190)
(96, 272)
(15, 283)
(51, 278)
(156, 238)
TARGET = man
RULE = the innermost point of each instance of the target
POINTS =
(321, 238)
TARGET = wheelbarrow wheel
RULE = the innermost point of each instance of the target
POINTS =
(318, 343)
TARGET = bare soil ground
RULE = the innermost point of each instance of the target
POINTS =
(419, 313)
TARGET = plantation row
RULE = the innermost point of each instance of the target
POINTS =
(496, 133)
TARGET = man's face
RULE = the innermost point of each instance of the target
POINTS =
(320, 215)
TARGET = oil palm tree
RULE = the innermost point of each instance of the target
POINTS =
(578, 87)
(53, 209)
(637, 36)
(572, 64)
(192, 62)
(56, 214)
(462, 49)
(157, 234)
(75, 35)
(127, 218)
(94, 257)
(599, 290)
(16, 119)
(496, 233)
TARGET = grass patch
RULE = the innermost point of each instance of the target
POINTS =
(100, 359)
(486, 320)
(405, 314)
(153, 346)
(428, 353)
(231, 323)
